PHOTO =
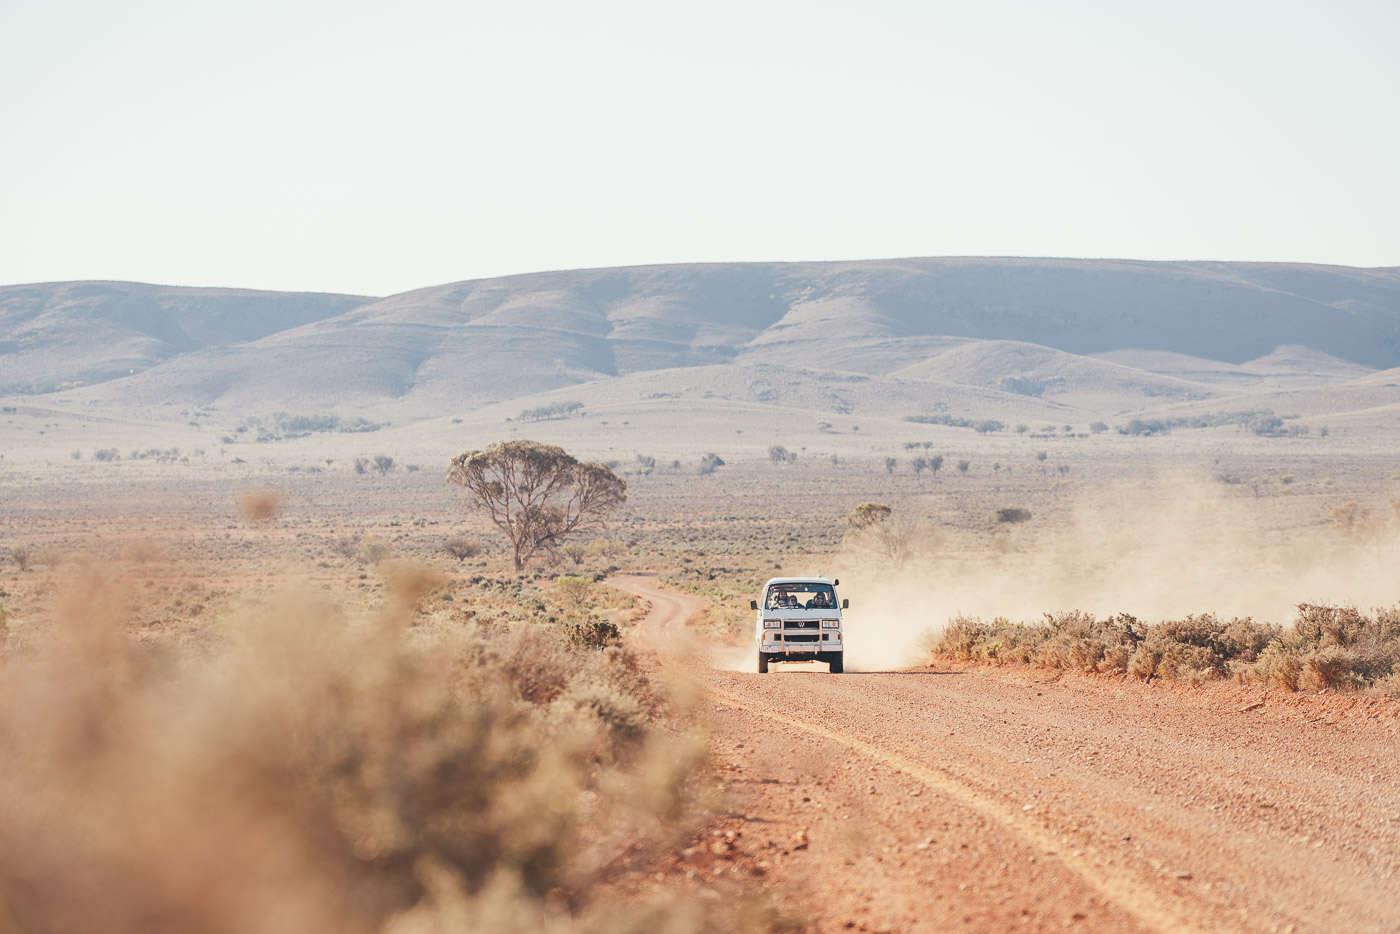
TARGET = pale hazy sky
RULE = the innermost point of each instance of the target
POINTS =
(378, 147)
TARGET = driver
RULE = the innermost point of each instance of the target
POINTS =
(819, 601)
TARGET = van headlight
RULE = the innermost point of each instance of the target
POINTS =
(831, 624)
(772, 624)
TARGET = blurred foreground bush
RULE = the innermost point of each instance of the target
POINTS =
(1324, 648)
(311, 775)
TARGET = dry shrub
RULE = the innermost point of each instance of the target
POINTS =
(1332, 667)
(51, 556)
(1064, 640)
(347, 546)
(142, 552)
(313, 776)
(1331, 647)
(611, 704)
(21, 555)
(409, 582)
(1279, 667)
(625, 607)
(593, 633)
(606, 548)
(1199, 648)
(375, 550)
(1078, 640)
(574, 591)
(725, 623)
(260, 505)
(532, 662)
(892, 541)
(1336, 648)
(461, 547)
(1000, 641)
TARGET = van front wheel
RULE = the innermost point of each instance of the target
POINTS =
(837, 661)
(763, 663)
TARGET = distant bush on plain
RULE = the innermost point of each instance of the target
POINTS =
(1025, 385)
(553, 410)
(1261, 422)
(709, 463)
(375, 550)
(980, 425)
(347, 546)
(285, 426)
(298, 425)
(1325, 647)
(462, 547)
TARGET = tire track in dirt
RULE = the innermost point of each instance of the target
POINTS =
(1053, 801)
(1135, 899)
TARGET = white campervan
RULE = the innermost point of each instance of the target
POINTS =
(799, 620)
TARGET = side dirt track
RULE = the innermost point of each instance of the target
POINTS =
(1016, 799)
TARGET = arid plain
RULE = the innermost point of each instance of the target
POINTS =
(194, 474)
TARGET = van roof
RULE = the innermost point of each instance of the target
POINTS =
(796, 580)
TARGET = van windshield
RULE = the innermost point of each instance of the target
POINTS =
(799, 596)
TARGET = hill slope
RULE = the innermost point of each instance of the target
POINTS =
(56, 335)
(458, 346)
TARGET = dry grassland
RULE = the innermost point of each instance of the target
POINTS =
(238, 696)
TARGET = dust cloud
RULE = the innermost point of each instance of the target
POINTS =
(1157, 550)
(312, 771)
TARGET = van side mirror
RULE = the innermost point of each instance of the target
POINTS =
(753, 604)
(845, 604)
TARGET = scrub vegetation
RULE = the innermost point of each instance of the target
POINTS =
(419, 768)
(1324, 647)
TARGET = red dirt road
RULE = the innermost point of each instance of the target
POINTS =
(1015, 799)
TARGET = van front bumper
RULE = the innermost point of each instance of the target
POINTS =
(800, 643)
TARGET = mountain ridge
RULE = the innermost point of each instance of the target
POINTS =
(970, 320)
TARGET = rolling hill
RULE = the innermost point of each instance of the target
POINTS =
(1079, 338)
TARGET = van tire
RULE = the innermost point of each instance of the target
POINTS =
(837, 661)
(763, 663)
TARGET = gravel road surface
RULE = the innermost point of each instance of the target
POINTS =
(994, 799)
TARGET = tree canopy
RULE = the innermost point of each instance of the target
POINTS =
(876, 528)
(868, 514)
(537, 494)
